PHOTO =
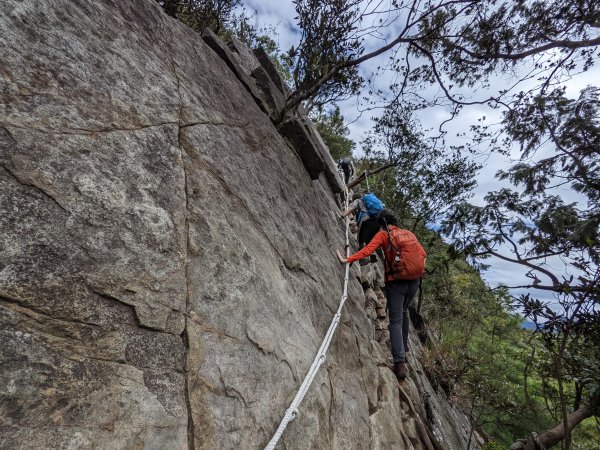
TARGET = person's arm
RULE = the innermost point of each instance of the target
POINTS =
(340, 257)
(347, 212)
(377, 241)
(352, 208)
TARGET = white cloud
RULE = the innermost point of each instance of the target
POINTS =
(279, 14)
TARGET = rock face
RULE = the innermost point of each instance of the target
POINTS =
(166, 254)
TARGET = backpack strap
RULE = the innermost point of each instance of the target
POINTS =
(390, 246)
(360, 212)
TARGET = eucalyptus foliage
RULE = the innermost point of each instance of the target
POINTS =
(333, 130)
(218, 15)
(454, 44)
(555, 242)
(427, 179)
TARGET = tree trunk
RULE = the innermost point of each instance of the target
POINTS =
(561, 390)
(363, 175)
(427, 437)
(578, 395)
(555, 435)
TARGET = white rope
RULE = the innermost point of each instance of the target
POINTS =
(292, 412)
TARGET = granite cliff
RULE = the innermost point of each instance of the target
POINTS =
(166, 253)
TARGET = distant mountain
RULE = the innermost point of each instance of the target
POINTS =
(528, 325)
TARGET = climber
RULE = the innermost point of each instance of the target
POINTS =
(404, 266)
(347, 166)
(367, 208)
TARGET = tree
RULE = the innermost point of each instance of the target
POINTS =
(201, 14)
(452, 43)
(425, 179)
(334, 132)
(327, 41)
(537, 225)
(479, 351)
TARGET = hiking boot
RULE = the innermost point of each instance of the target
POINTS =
(400, 371)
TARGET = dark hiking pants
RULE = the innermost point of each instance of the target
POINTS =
(346, 171)
(368, 230)
(399, 294)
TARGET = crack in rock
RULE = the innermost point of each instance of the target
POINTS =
(87, 131)
(40, 189)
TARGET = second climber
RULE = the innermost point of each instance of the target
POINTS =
(367, 208)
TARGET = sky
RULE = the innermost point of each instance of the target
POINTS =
(280, 14)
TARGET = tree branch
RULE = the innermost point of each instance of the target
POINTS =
(546, 255)
(553, 436)
(515, 248)
(546, 272)
(366, 173)
(438, 78)
(297, 97)
(532, 51)
(559, 288)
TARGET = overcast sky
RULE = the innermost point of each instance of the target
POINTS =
(280, 15)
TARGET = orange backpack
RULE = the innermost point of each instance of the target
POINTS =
(404, 256)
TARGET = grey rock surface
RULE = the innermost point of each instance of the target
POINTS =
(167, 267)
(299, 138)
(271, 70)
(259, 76)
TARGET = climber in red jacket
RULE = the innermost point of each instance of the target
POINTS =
(404, 266)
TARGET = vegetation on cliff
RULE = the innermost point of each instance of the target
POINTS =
(500, 374)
